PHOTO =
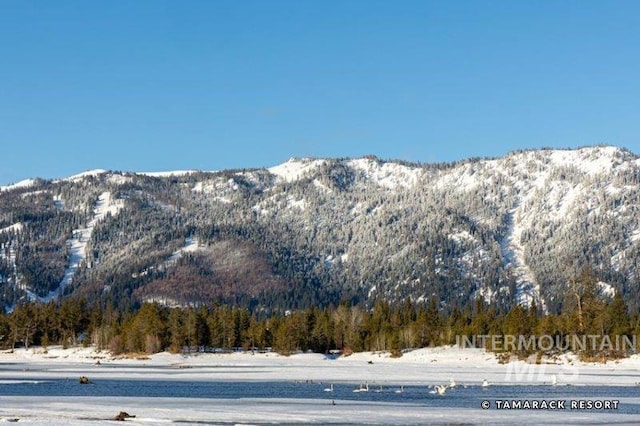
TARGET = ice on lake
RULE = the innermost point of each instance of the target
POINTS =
(38, 387)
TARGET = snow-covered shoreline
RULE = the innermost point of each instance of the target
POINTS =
(421, 368)
(426, 366)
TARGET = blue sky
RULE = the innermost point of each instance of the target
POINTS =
(157, 85)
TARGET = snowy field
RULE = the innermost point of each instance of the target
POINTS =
(302, 379)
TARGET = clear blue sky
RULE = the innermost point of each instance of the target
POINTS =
(154, 85)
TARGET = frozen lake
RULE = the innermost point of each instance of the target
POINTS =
(462, 396)
(203, 402)
(43, 388)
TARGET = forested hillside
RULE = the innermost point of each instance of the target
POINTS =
(314, 232)
(383, 327)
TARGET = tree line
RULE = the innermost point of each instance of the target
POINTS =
(346, 328)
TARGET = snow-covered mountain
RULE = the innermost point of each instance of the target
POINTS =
(512, 230)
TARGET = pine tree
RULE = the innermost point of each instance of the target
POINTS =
(617, 316)
(176, 330)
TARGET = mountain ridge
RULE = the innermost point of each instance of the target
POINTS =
(509, 230)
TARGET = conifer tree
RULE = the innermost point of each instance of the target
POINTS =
(617, 316)
(176, 330)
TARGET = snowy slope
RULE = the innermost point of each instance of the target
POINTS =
(546, 186)
(295, 168)
(78, 244)
(387, 175)
(22, 184)
(16, 227)
(168, 174)
(506, 229)
(88, 173)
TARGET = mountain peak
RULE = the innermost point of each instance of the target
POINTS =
(296, 168)
(22, 184)
(88, 173)
(512, 230)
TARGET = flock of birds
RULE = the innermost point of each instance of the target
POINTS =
(437, 389)
(442, 389)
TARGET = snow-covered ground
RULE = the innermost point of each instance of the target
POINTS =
(387, 175)
(191, 245)
(88, 173)
(423, 367)
(16, 227)
(527, 287)
(22, 184)
(168, 174)
(427, 366)
(295, 168)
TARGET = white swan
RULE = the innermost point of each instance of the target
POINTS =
(554, 380)
(452, 384)
(401, 390)
(329, 389)
(362, 388)
(439, 389)
(485, 383)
